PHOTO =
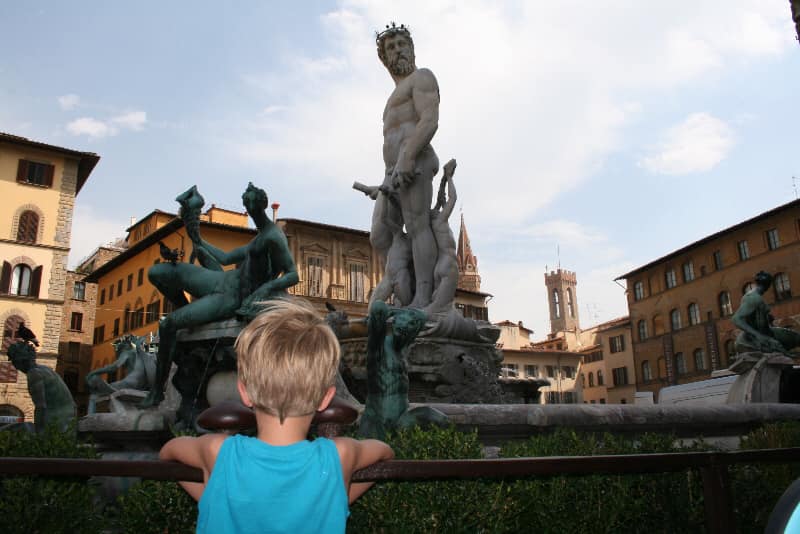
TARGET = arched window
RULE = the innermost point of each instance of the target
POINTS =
(680, 363)
(570, 308)
(556, 303)
(725, 306)
(10, 409)
(10, 331)
(600, 380)
(591, 380)
(642, 326)
(699, 360)
(783, 290)
(647, 373)
(748, 287)
(20, 280)
(675, 319)
(28, 228)
(694, 313)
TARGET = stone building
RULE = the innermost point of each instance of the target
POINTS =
(607, 372)
(680, 304)
(77, 323)
(38, 185)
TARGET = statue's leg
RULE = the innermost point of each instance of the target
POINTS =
(204, 310)
(415, 200)
(789, 338)
(422, 416)
(380, 235)
(173, 279)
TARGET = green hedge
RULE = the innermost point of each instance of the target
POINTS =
(671, 502)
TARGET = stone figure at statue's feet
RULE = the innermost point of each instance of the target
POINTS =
(445, 273)
(265, 269)
(139, 365)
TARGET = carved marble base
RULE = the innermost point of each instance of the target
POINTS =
(759, 377)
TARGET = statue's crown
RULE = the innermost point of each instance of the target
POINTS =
(392, 29)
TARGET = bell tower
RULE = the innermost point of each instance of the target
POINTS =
(562, 300)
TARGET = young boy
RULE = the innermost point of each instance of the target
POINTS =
(279, 481)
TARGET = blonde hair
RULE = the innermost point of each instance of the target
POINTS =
(288, 357)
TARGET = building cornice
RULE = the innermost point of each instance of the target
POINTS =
(34, 245)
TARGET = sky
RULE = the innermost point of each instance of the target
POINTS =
(597, 136)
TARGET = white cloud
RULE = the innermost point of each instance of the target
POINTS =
(135, 120)
(68, 102)
(91, 127)
(95, 128)
(698, 144)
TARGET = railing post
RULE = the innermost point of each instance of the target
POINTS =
(716, 490)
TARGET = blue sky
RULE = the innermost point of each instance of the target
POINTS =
(614, 133)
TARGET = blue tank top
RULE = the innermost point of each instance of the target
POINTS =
(259, 488)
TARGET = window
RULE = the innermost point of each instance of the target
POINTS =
(79, 291)
(638, 291)
(10, 331)
(591, 380)
(671, 278)
(602, 401)
(642, 327)
(356, 282)
(744, 250)
(110, 292)
(620, 376)
(137, 318)
(551, 371)
(717, 256)
(725, 306)
(596, 356)
(783, 289)
(130, 282)
(694, 313)
(99, 334)
(509, 370)
(570, 307)
(647, 373)
(28, 228)
(569, 371)
(76, 321)
(688, 271)
(119, 287)
(680, 363)
(748, 287)
(600, 379)
(773, 241)
(583, 380)
(314, 276)
(153, 310)
(140, 277)
(115, 333)
(532, 371)
(102, 296)
(556, 303)
(31, 172)
(126, 320)
(617, 343)
(21, 280)
(699, 360)
(675, 319)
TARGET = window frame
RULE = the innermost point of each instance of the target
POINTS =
(675, 319)
(688, 271)
(743, 249)
(773, 239)
(694, 314)
(638, 291)
(785, 291)
(725, 304)
(670, 278)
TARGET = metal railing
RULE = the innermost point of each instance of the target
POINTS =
(712, 465)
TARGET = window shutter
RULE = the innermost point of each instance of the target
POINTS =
(5, 279)
(36, 282)
(22, 171)
(48, 176)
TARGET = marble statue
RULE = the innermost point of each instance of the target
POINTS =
(52, 401)
(389, 333)
(139, 365)
(445, 273)
(264, 270)
(754, 319)
(410, 120)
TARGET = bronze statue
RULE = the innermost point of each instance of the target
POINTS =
(265, 269)
(389, 333)
(139, 365)
(755, 321)
(52, 401)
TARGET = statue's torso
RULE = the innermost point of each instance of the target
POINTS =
(400, 121)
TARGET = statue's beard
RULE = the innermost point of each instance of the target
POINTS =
(401, 65)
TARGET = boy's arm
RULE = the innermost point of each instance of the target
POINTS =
(197, 452)
(358, 454)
